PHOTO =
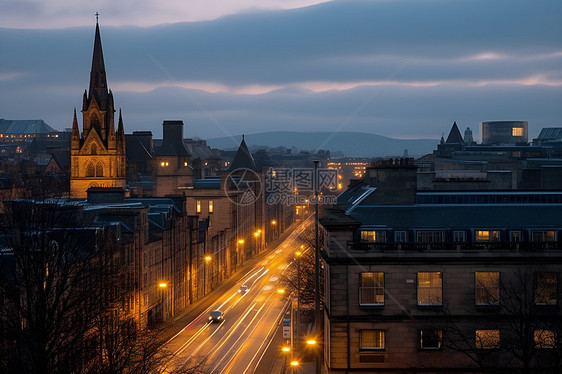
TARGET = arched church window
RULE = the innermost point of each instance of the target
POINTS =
(99, 169)
(93, 149)
(94, 121)
(90, 172)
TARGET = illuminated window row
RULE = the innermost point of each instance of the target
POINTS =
(487, 288)
(458, 236)
(166, 163)
(210, 206)
(432, 339)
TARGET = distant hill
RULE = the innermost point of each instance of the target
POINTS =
(352, 144)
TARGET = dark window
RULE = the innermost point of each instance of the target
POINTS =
(430, 338)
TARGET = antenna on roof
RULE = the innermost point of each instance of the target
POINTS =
(97, 17)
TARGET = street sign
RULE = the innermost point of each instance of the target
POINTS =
(286, 328)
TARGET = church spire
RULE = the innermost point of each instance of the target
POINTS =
(120, 133)
(75, 133)
(98, 80)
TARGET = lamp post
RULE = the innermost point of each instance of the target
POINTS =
(274, 224)
(298, 254)
(207, 260)
(162, 286)
(240, 244)
(316, 266)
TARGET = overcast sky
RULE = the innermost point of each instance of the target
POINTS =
(399, 68)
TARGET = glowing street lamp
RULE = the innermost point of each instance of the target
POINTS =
(294, 363)
(311, 342)
(240, 241)
(280, 291)
(207, 258)
(286, 349)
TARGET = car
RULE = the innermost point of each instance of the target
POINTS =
(243, 289)
(216, 316)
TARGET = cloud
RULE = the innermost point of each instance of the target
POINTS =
(400, 68)
(56, 14)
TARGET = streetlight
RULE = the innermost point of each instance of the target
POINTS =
(207, 260)
(240, 244)
(298, 295)
(316, 266)
(162, 286)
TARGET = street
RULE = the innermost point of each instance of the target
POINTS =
(237, 343)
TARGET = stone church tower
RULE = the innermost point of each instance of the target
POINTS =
(97, 155)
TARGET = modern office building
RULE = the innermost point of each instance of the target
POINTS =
(504, 132)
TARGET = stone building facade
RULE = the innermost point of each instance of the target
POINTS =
(440, 281)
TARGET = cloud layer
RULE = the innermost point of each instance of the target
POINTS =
(401, 68)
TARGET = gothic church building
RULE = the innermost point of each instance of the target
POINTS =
(98, 153)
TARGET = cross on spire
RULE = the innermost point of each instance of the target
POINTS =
(97, 17)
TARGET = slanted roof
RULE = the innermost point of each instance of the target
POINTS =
(460, 216)
(135, 150)
(61, 157)
(207, 183)
(31, 126)
(550, 133)
(454, 135)
(243, 158)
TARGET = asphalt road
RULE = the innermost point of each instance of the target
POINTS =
(239, 342)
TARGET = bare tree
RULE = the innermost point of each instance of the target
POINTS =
(62, 297)
(299, 279)
(527, 321)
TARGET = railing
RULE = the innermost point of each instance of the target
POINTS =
(452, 246)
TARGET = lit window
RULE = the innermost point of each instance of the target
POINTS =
(487, 236)
(546, 287)
(430, 338)
(429, 236)
(487, 339)
(430, 289)
(458, 236)
(198, 206)
(487, 287)
(544, 339)
(210, 206)
(373, 236)
(544, 236)
(517, 131)
(516, 236)
(371, 339)
(371, 291)
(400, 236)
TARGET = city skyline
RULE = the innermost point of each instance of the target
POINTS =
(401, 69)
